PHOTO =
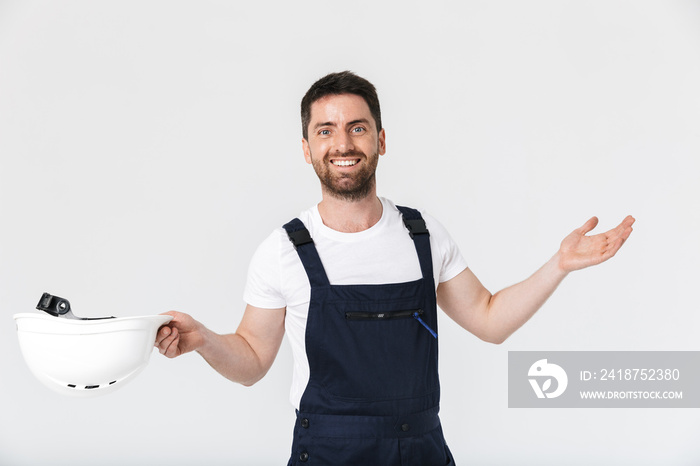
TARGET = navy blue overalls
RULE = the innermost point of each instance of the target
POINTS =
(373, 392)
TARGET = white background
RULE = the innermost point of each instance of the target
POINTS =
(146, 148)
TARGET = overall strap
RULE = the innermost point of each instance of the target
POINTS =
(421, 238)
(301, 239)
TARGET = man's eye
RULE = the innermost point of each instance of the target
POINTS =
(324, 132)
(358, 129)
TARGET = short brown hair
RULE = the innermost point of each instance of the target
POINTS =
(345, 82)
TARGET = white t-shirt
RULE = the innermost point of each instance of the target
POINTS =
(277, 279)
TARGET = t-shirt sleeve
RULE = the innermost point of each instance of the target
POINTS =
(452, 261)
(263, 287)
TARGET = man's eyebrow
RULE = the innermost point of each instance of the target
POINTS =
(323, 123)
(330, 123)
(359, 120)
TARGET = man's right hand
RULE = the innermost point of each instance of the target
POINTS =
(181, 335)
(244, 356)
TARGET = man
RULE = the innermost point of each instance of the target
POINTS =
(355, 282)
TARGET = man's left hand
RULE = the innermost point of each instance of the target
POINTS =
(579, 251)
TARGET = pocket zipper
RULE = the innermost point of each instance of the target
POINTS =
(390, 315)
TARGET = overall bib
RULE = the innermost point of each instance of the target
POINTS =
(373, 392)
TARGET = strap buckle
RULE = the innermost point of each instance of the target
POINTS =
(415, 226)
(300, 237)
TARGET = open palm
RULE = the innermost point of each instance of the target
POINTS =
(578, 251)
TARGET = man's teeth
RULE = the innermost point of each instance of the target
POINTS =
(344, 163)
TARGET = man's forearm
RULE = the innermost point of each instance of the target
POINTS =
(494, 318)
(232, 356)
(243, 357)
(510, 308)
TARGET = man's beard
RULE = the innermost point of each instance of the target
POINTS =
(348, 186)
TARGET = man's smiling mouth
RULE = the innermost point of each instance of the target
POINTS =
(344, 162)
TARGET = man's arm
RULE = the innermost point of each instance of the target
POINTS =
(494, 318)
(243, 357)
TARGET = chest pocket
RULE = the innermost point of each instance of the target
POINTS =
(416, 314)
(378, 354)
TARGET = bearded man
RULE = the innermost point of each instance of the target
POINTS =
(355, 282)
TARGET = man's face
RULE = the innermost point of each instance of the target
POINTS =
(343, 146)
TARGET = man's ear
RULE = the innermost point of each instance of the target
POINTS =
(382, 142)
(307, 150)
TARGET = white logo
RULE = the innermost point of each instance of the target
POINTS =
(541, 369)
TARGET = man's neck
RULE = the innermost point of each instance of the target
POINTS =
(350, 216)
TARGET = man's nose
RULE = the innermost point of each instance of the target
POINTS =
(343, 143)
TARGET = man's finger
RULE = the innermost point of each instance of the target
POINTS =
(162, 334)
(613, 248)
(171, 350)
(588, 226)
(167, 342)
(624, 229)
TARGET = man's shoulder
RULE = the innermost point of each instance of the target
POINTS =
(423, 211)
(307, 217)
(278, 239)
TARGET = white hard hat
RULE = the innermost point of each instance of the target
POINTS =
(85, 356)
